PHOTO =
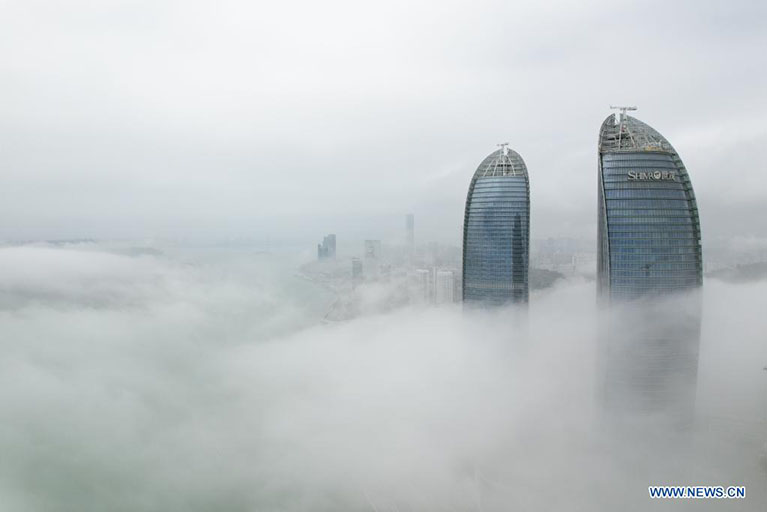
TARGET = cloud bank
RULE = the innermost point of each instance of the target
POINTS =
(166, 383)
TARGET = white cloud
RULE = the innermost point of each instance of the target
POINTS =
(201, 391)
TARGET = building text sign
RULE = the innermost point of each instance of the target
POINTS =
(652, 176)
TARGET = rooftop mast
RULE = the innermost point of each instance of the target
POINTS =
(622, 120)
(623, 109)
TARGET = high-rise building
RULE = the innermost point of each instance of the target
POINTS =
(373, 259)
(648, 231)
(443, 286)
(649, 260)
(496, 231)
(356, 271)
(372, 249)
(327, 249)
(423, 285)
(410, 230)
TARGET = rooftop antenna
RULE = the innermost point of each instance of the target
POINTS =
(623, 109)
(505, 147)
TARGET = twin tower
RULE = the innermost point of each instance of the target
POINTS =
(648, 228)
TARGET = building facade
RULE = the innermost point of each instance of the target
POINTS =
(443, 286)
(410, 234)
(648, 231)
(327, 249)
(496, 231)
(649, 266)
(423, 285)
(357, 275)
(372, 249)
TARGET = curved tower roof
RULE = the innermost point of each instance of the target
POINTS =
(630, 134)
(504, 162)
(496, 231)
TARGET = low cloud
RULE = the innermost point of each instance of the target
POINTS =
(161, 382)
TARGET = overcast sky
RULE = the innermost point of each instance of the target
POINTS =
(294, 119)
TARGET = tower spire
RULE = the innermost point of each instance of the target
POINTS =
(623, 109)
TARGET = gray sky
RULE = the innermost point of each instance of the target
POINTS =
(294, 119)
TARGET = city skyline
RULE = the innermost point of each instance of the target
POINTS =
(344, 256)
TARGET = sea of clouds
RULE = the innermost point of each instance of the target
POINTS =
(170, 381)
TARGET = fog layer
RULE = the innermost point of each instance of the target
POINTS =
(174, 383)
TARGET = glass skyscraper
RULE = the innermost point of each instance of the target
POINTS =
(649, 265)
(496, 231)
(649, 233)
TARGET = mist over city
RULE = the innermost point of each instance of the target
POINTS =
(361, 256)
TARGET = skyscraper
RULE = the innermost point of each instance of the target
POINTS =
(327, 249)
(410, 227)
(649, 252)
(443, 286)
(496, 231)
(372, 249)
(649, 232)
(423, 285)
(356, 272)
